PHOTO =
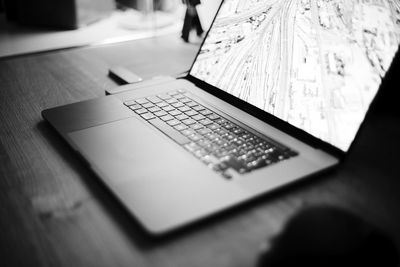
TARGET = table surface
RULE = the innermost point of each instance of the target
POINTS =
(55, 212)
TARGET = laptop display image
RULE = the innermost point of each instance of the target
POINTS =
(315, 64)
(276, 94)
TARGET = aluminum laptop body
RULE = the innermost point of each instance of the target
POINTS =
(301, 74)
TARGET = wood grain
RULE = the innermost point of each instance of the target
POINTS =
(55, 212)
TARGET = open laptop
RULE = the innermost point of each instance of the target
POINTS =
(277, 93)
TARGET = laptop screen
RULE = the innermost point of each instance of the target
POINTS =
(316, 64)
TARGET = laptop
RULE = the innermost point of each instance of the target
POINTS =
(276, 94)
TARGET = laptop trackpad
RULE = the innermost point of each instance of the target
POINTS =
(152, 173)
(130, 149)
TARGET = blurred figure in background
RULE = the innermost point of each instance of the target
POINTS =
(192, 20)
(330, 237)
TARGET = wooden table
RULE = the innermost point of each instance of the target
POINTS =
(55, 212)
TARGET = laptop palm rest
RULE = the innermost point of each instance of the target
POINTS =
(158, 181)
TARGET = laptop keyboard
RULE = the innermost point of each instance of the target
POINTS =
(215, 140)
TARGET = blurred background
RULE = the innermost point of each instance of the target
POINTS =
(28, 26)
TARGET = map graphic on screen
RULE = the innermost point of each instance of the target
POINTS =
(316, 64)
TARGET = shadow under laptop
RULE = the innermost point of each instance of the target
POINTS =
(132, 229)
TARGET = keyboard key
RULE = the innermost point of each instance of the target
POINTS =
(213, 126)
(177, 105)
(201, 153)
(160, 113)
(229, 137)
(185, 100)
(148, 105)
(189, 121)
(142, 101)
(129, 102)
(204, 131)
(181, 117)
(175, 112)
(211, 136)
(191, 104)
(191, 113)
(162, 104)
(197, 126)
(237, 142)
(221, 132)
(220, 121)
(179, 96)
(172, 93)
(154, 99)
(246, 136)
(195, 137)
(237, 130)
(229, 148)
(164, 96)
(171, 100)
(252, 141)
(169, 131)
(184, 109)
(221, 142)
(228, 125)
(181, 127)
(198, 117)
(147, 116)
(213, 116)
(212, 147)
(205, 112)
(141, 111)
(154, 109)
(167, 118)
(220, 153)
(198, 108)
(173, 122)
(168, 108)
(206, 122)
(135, 107)
(192, 147)
(188, 132)
(204, 143)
